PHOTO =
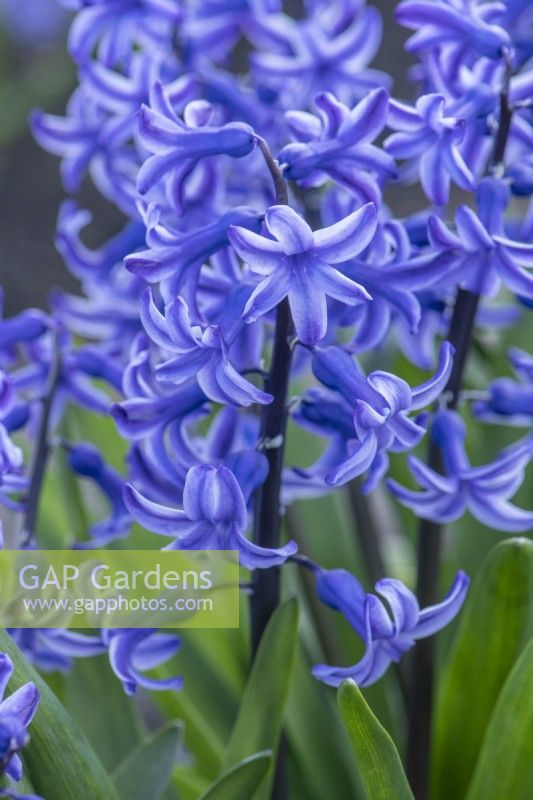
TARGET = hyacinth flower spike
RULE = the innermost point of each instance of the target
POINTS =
(388, 627)
(484, 491)
(302, 266)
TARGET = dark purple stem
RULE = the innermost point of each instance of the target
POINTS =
(267, 516)
(41, 450)
(267, 512)
(430, 534)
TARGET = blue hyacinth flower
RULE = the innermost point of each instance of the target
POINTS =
(484, 491)
(389, 625)
(214, 514)
(302, 266)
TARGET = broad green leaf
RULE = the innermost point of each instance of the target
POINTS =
(321, 761)
(495, 625)
(147, 771)
(225, 651)
(378, 762)
(204, 677)
(259, 720)
(189, 783)
(95, 698)
(505, 765)
(206, 746)
(242, 780)
(60, 761)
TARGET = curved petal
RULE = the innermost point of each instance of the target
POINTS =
(427, 392)
(6, 671)
(184, 366)
(518, 251)
(440, 236)
(367, 119)
(252, 556)
(430, 504)
(270, 292)
(237, 388)
(336, 285)
(435, 617)
(154, 516)
(22, 704)
(153, 320)
(292, 232)
(155, 650)
(457, 168)
(367, 671)
(497, 513)
(471, 232)
(402, 602)
(434, 177)
(348, 237)
(372, 326)
(407, 433)
(430, 479)
(376, 472)
(179, 325)
(356, 464)
(261, 254)
(395, 391)
(156, 167)
(514, 277)
(308, 308)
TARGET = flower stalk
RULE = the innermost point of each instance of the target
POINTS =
(431, 534)
(42, 449)
(267, 512)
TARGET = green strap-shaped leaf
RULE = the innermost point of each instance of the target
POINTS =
(258, 723)
(189, 783)
(494, 628)
(321, 761)
(242, 780)
(147, 771)
(60, 761)
(200, 738)
(95, 698)
(505, 765)
(378, 762)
